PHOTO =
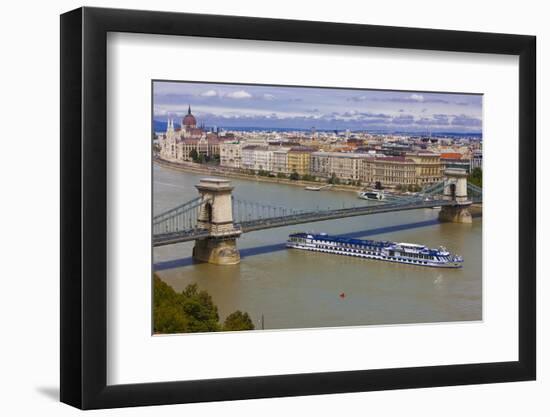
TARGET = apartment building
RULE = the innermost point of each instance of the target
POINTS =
(231, 154)
(257, 158)
(299, 159)
(429, 168)
(280, 160)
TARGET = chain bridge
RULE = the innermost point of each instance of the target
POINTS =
(216, 218)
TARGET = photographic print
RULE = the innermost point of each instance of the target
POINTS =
(293, 207)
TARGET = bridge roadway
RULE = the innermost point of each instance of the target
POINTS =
(304, 217)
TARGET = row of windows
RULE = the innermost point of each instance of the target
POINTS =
(414, 261)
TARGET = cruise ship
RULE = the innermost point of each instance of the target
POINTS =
(404, 253)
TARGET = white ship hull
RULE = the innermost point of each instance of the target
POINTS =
(446, 261)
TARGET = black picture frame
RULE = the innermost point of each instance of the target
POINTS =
(84, 207)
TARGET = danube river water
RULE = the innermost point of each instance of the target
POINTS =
(300, 289)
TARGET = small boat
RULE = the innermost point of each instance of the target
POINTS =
(312, 188)
(371, 195)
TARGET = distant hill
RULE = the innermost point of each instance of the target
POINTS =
(160, 126)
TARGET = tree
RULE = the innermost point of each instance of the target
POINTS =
(334, 179)
(194, 155)
(200, 310)
(192, 310)
(294, 176)
(281, 175)
(378, 185)
(476, 177)
(167, 314)
(238, 321)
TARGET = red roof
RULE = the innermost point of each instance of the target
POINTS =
(451, 155)
(190, 141)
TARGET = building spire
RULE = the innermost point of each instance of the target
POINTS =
(170, 126)
(189, 110)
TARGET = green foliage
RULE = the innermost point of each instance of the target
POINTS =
(194, 155)
(413, 188)
(191, 311)
(334, 179)
(263, 173)
(200, 310)
(308, 177)
(281, 175)
(238, 321)
(476, 177)
(294, 176)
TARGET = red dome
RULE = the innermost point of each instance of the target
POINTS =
(189, 120)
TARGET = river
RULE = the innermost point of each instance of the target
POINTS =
(300, 289)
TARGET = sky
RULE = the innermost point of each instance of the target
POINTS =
(249, 106)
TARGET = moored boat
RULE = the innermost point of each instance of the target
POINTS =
(405, 253)
(371, 195)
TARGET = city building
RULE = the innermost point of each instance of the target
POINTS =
(299, 159)
(429, 168)
(455, 160)
(389, 171)
(257, 158)
(231, 154)
(178, 144)
(345, 166)
(476, 160)
(280, 160)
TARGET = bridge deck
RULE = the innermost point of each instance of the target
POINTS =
(300, 218)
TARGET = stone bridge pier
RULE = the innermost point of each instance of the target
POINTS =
(456, 190)
(216, 216)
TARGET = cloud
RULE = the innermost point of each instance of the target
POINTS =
(358, 98)
(425, 121)
(403, 119)
(268, 97)
(413, 98)
(376, 115)
(172, 98)
(209, 93)
(463, 120)
(441, 118)
(239, 95)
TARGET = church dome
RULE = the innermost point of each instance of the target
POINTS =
(189, 120)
